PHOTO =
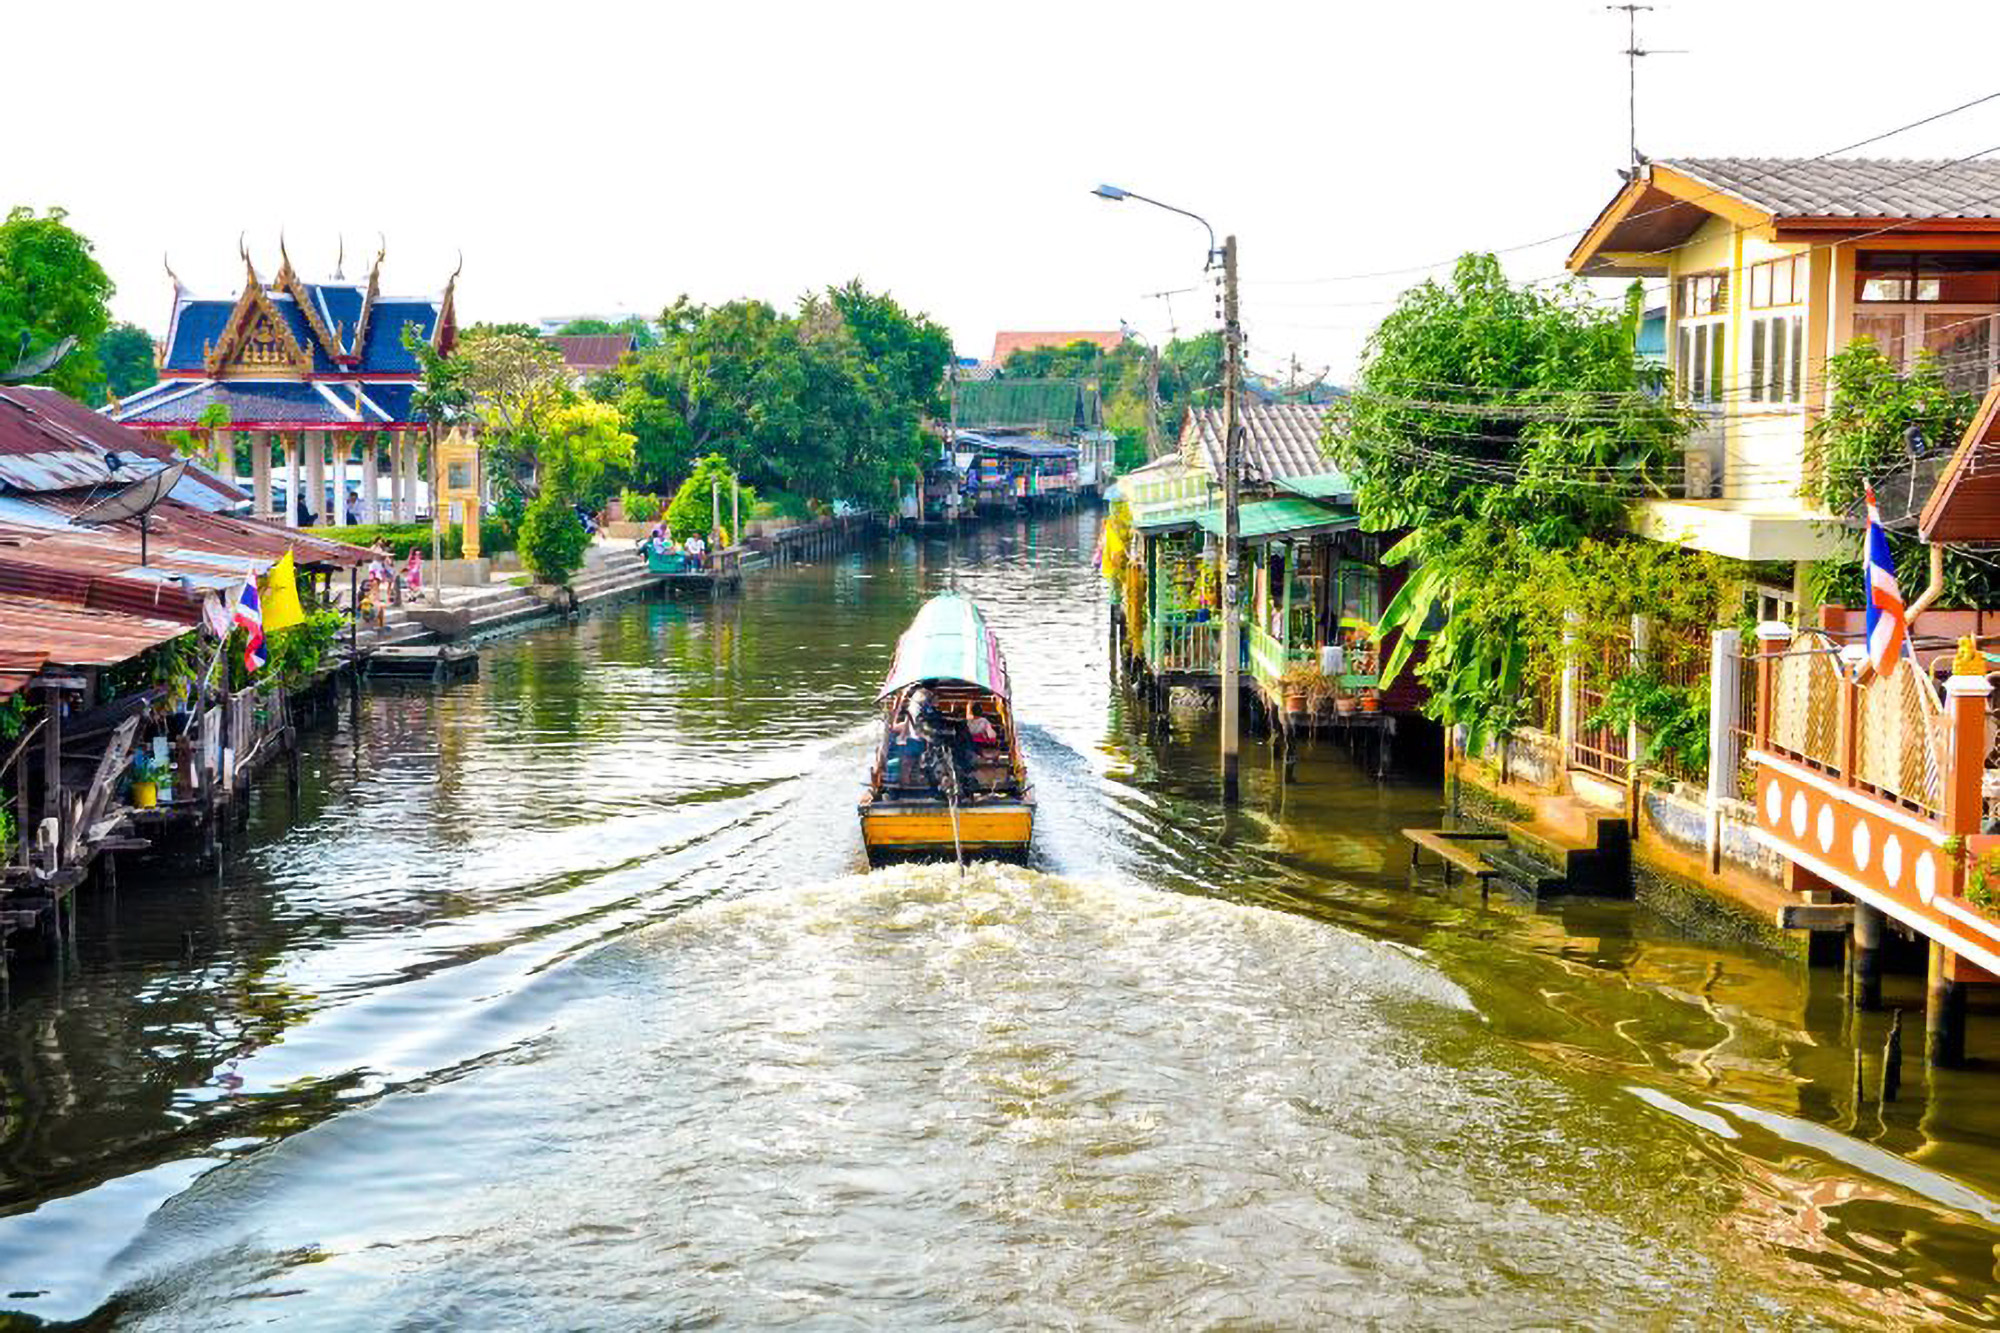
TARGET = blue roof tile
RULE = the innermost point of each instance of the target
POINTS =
(201, 322)
(385, 350)
(393, 399)
(340, 307)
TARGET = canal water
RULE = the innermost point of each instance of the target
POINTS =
(563, 1000)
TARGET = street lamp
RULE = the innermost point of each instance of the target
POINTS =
(1232, 449)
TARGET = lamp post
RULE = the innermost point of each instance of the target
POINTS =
(1232, 446)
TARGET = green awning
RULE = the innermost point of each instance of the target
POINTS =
(1318, 486)
(1281, 518)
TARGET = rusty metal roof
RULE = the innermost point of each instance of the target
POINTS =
(78, 636)
(50, 442)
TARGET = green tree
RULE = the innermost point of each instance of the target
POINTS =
(1866, 436)
(126, 353)
(444, 400)
(1507, 428)
(515, 385)
(692, 509)
(585, 452)
(52, 288)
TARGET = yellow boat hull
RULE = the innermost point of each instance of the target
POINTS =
(912, 829)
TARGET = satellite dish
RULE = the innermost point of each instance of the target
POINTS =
(137, 500)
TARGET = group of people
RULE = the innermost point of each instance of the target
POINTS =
(928, 748)
(660, 542)
(383, 584)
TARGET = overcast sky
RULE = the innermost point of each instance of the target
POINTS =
(588, 156)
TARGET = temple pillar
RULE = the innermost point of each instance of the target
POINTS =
(337, 514)
(292, 491)
(371, 447)
(399, 466)
(260, 474)
(316, 474)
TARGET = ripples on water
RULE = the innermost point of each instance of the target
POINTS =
(563, 1004)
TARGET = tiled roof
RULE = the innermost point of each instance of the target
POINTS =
(1008, 342)
(197, 323)
(1279, 439)
(340, 307)
(586, 353)
(385, 350)
(1853, 187)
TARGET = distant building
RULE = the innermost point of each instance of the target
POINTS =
(1008, 342)
(587, 354)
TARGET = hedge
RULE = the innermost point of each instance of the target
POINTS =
(401, 538)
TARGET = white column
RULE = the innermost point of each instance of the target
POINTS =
(260, 474)
(342, 443)
(1725, 711)
(316, 474)
(291, 479)
(399, 463)
(371, 447)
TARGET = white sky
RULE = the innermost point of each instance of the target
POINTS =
(593, 156)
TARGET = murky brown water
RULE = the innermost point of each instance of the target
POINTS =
(565, 1003)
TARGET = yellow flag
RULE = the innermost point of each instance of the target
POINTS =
(281, 596)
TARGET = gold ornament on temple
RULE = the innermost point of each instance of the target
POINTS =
(1970, 661)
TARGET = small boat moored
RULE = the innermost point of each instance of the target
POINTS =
(947, 778)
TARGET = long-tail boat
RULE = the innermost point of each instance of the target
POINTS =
(947, 778)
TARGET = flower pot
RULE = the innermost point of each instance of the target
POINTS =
(1295, 703)
(145, 795)
(1370, 704)
(1343, 704)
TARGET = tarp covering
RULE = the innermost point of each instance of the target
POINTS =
(948, 641)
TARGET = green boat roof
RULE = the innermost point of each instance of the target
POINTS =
(948, 641)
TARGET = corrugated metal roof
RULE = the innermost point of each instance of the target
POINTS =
(1049, 405)
(77, 636)
(49, 442)
(1279, 440)
(1276, 518)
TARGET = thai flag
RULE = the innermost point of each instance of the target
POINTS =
(250, 615)
(1886, 628)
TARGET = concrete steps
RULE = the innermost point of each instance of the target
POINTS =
(1589, 849)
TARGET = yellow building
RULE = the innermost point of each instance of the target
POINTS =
(1770, 264)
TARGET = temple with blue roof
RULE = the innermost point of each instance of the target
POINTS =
(317, 370)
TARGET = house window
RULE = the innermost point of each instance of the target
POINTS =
(1698, 361)
(1963, 339)
(1704, 294)
(1778, 282)
(1777, 357)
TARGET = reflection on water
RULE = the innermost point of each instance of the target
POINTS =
(563, 1001)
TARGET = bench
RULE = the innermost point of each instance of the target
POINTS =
(1451, 847)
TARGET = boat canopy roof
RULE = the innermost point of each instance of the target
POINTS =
(948, 641)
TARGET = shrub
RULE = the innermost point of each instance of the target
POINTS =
(640, 507)
(552, 540)
(399, 539)
(693, 508)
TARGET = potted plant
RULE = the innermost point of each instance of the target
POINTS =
(1306, 688)
(145, 782)
(1371, 699)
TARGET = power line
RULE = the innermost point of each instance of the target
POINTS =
(1578, 232)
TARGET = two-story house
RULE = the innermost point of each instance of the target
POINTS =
(1770, 265)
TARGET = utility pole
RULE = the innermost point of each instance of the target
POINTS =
(1232, 449)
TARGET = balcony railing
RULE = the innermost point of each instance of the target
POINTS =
(1175, 641)
(1875, 784)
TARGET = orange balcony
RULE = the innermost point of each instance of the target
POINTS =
(1875, 785)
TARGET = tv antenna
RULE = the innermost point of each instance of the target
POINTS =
(1633, 53)
(137, 500)
(1173, 329)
